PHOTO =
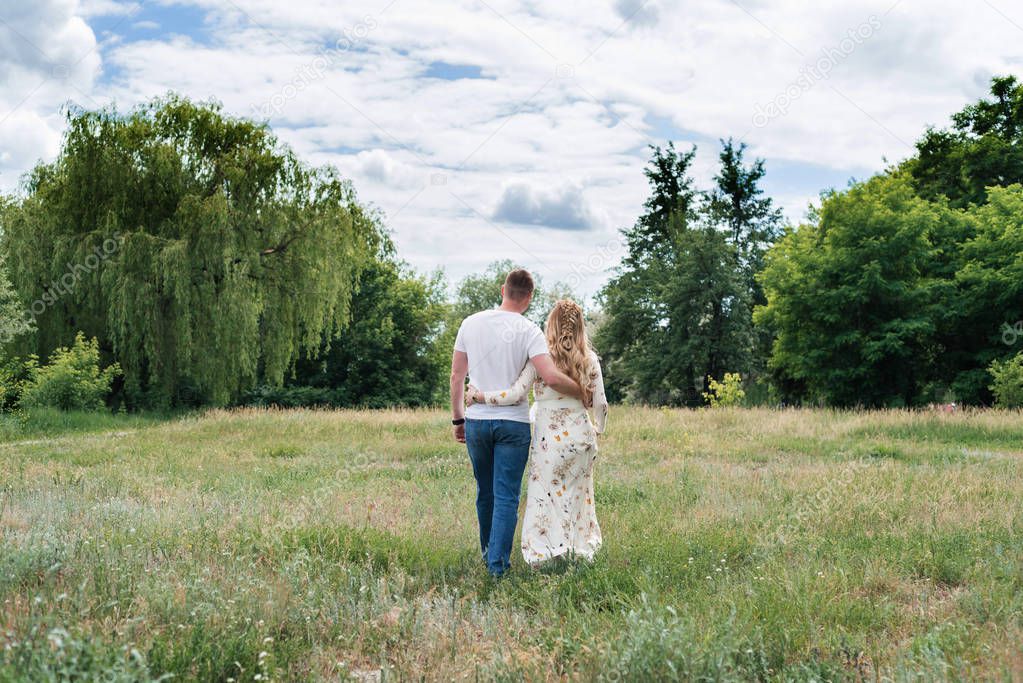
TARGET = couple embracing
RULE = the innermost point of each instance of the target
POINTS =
(504, 355)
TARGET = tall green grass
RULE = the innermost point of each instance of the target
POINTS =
(318, 545)
(50, 422)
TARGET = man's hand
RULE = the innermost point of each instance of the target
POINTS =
(460, 433)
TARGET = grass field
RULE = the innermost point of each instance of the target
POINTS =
(739, 544)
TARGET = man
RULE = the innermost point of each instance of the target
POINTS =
(492, 347)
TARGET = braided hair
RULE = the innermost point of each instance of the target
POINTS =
(569, 346)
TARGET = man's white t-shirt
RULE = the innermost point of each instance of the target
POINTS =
(498, 344)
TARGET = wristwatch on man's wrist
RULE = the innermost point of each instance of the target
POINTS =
(459, 421)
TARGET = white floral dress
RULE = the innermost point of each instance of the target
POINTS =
(560, 515)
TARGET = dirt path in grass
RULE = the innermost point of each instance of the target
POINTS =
(71, 437)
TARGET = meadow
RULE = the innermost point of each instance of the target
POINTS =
(740, 544)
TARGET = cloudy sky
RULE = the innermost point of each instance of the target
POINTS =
(487, 129)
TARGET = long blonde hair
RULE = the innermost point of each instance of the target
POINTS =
(569, 346)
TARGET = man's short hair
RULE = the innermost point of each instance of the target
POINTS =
(518, 285)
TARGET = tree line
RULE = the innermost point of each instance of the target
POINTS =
(201, 260)
(900, 290)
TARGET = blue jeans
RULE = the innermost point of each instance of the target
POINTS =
(498, 450)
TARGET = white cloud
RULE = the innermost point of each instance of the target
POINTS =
(557, 133)
(47, 39)
(48, 54)
(379, 166)
(25, 139)
(565, 208)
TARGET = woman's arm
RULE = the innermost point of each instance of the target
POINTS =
(596, 386)
(516, 393)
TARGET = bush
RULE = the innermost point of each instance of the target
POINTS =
(725, 394)
(72, 380)
(1008, 382)
(291, 397)
(11, 375)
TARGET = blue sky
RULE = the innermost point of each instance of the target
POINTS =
(515, 129)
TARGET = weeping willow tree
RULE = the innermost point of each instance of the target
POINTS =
(12, 318)
(201, 252)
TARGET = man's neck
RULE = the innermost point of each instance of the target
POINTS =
(509, 307)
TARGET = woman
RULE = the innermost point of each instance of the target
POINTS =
(560, 515)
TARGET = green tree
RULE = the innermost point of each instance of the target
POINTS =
(678, 310)
(737, 203)
(979, 321)
(13, 324)
(672, 195)
(13, 321)
(906, 288)
(854, 297)
(983, 148)
(389, 354)
(632, 334)
(1007, 385)
(203, 255)
(676, 322)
